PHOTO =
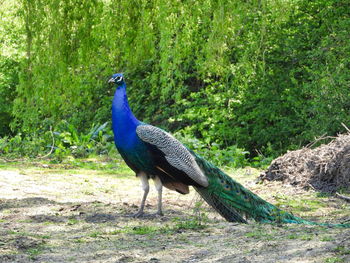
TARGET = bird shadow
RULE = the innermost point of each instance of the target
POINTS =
(90, 212)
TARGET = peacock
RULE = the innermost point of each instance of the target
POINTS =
(153, 153)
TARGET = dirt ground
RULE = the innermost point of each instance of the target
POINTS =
(52, 214)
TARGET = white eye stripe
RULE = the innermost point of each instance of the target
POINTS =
(118, 78)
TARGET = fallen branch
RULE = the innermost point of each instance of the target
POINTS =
(346, 198)
(322, 137)
(346, 128)
(52, 146)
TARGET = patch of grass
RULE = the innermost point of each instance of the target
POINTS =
(306, 204)
(25, 221)
(136, 230)
(105, 166)
(6, 211)
(327, 238)
(334, 260)
(191, 224)
(182, 238)
(114, 232)
(95, 234)
(34, 252)
(88, 192)
(98, 204)
(27, 234)
(342, 250)
(260, 234)
(178, 224)
(109, 166)
(106, 190)
(199, 245)
(21, 233)
(292, 236)
(47, 223)
(306, 237)
(144, 230)
(323, 195)
(72, 221)
(79, 240)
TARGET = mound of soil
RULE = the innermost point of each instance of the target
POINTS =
(325, 168)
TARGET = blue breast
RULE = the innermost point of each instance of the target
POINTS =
(124, 124)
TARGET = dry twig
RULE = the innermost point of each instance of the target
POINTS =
(346, 127)
(346, 198)
(52, 146)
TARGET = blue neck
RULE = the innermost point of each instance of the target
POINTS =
(124, 122)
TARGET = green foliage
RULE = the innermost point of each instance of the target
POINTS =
(24, 146)
(231, 156)
(263, 76)
(11, 39)
(69, 141)
(66, 141)
(8, 82)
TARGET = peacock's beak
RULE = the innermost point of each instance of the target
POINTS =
(111, 80)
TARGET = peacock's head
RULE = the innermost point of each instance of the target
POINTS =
(117, 78)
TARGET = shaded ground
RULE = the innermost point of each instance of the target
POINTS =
(63, 215)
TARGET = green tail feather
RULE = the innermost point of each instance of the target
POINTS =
(234, 202)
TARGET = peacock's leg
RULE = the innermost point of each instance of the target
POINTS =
(145, 186)
(159, 187)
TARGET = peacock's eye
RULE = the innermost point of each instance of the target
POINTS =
(120, 78)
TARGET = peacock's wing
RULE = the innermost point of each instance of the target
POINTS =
(170, 154)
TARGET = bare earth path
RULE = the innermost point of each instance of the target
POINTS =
(60, 215)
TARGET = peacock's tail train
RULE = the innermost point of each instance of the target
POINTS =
(236, 203)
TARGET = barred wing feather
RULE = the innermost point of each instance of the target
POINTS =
(174, 151)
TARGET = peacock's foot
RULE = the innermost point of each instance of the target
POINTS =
(156, 215)
(138, 214)
(159, 214)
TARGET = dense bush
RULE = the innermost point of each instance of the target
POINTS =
(11, 47)
(64, 142)
(265, 76)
